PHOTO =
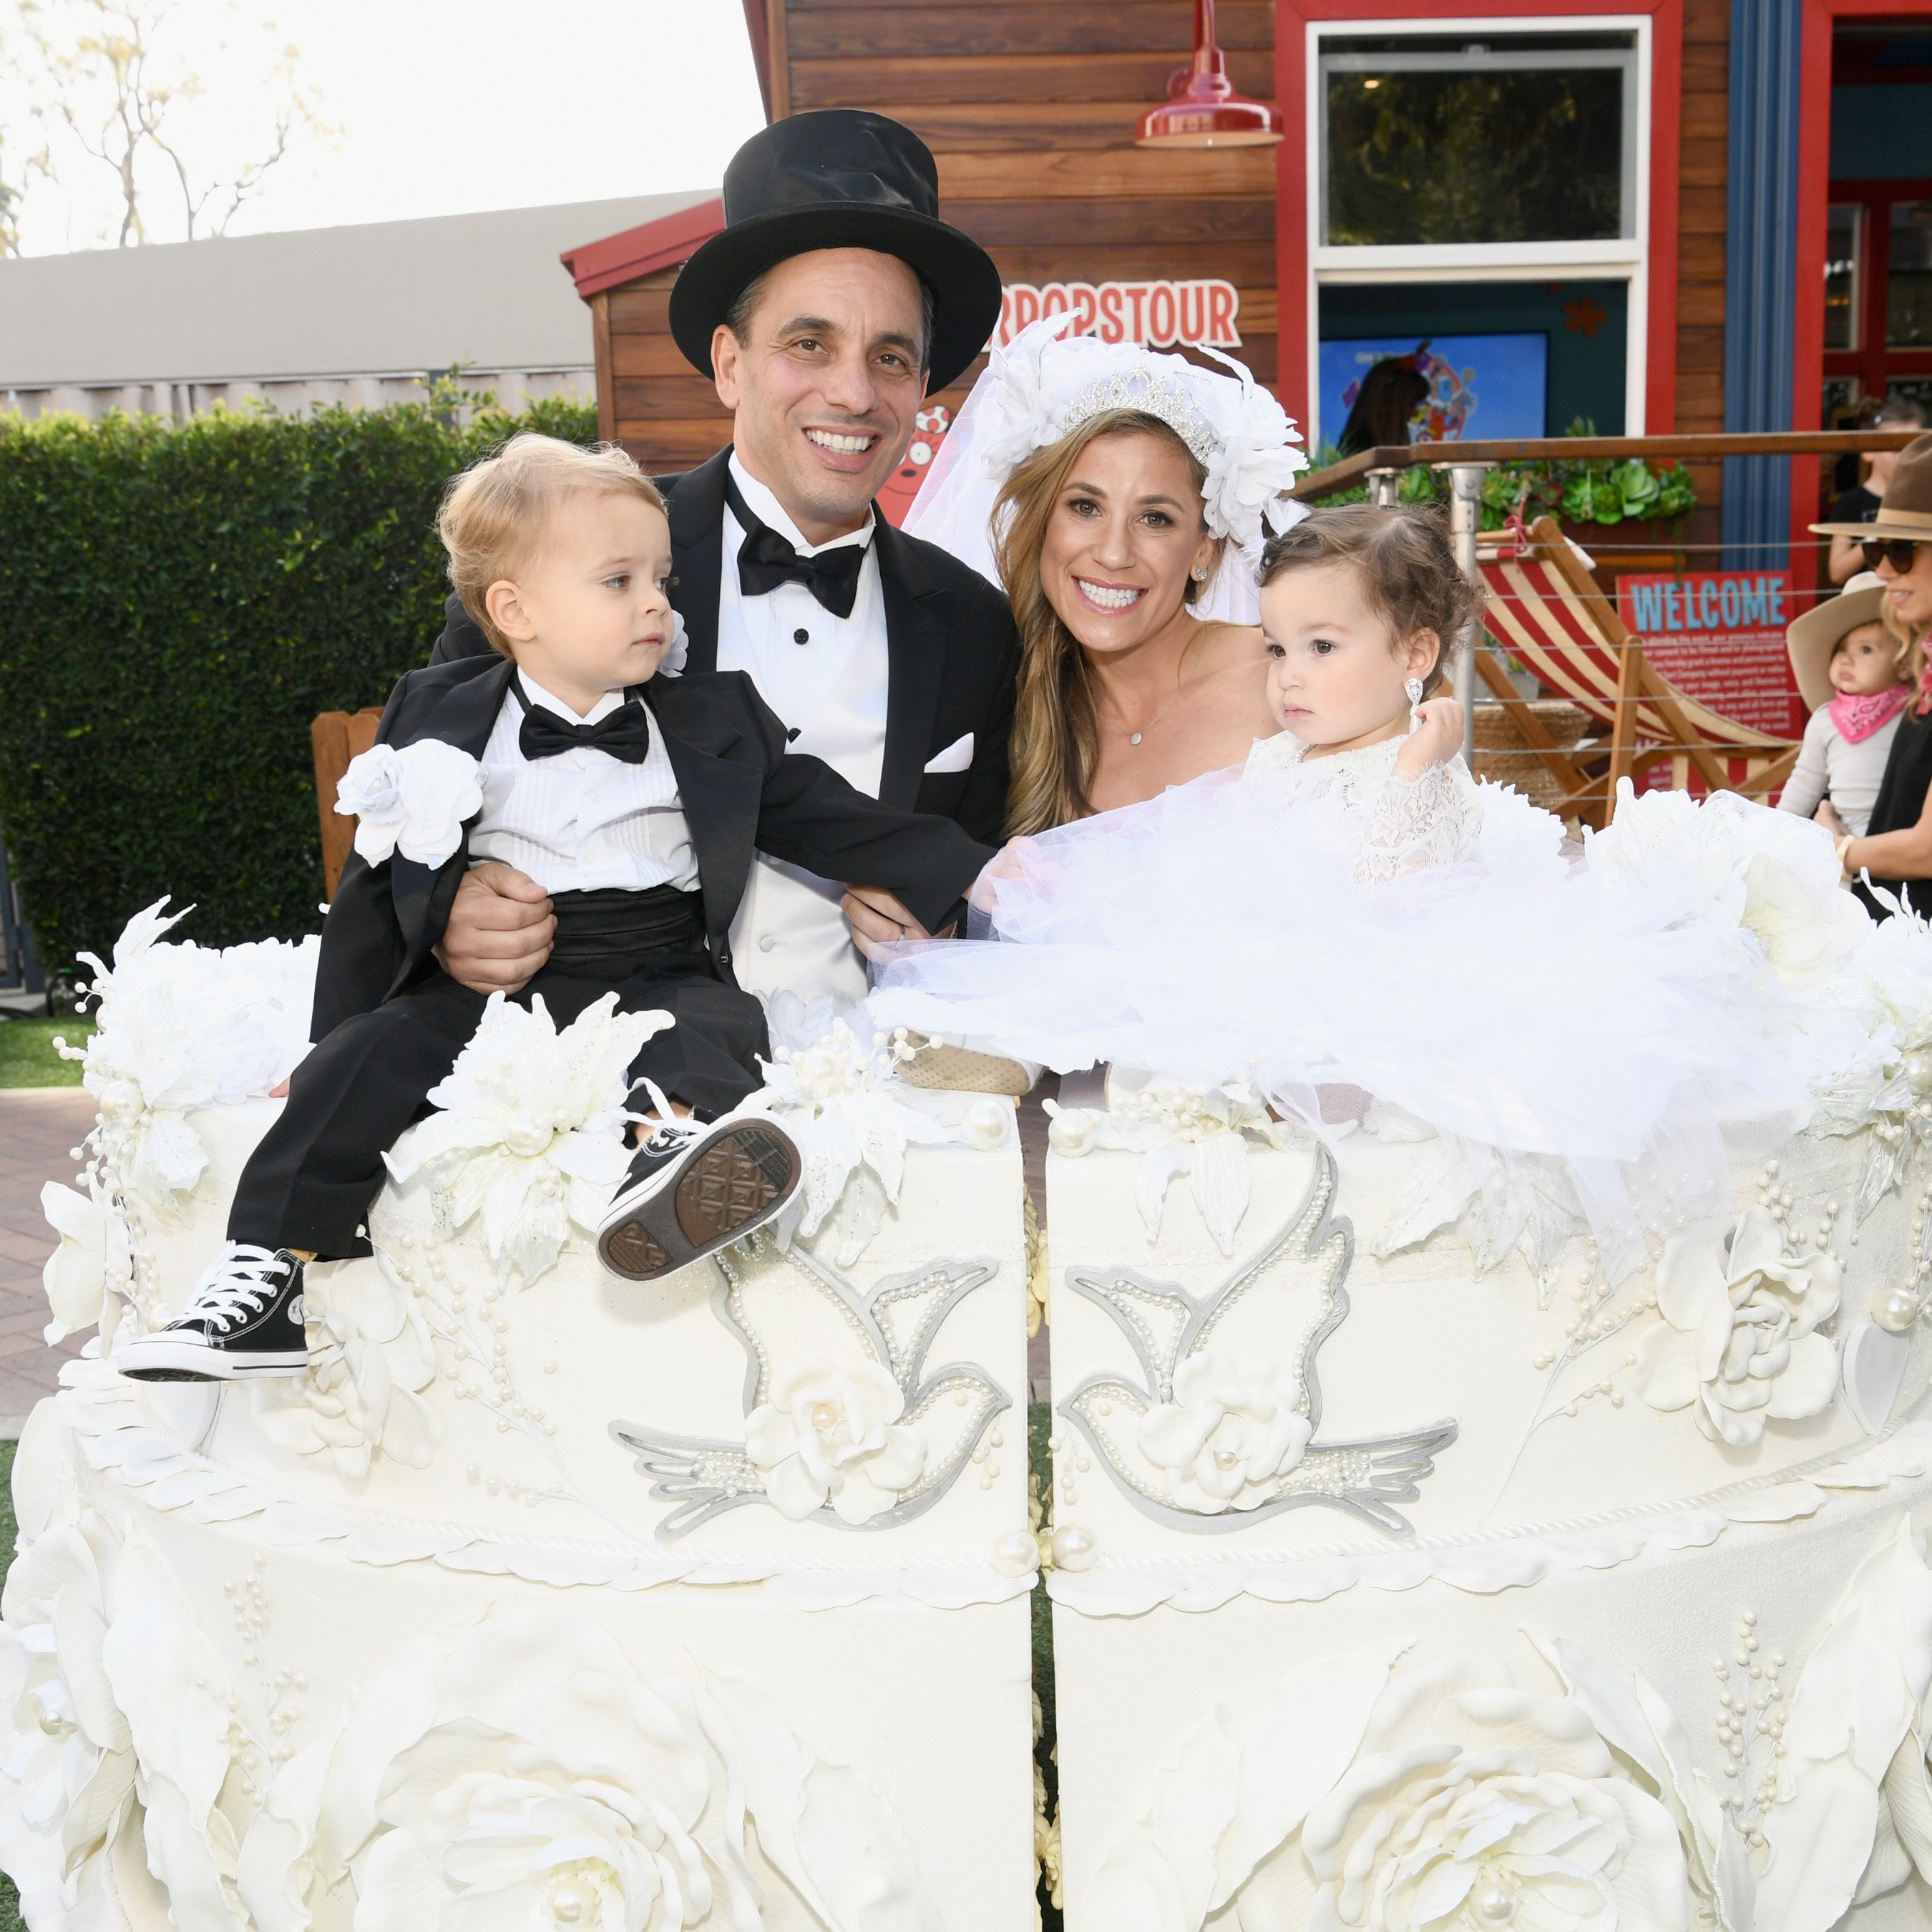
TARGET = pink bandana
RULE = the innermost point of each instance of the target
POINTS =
(1858, 714)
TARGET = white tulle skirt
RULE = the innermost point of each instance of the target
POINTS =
(1613, 1018)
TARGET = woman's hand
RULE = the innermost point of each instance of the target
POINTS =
(1827, 816)
(499, 931)
(1437, 738)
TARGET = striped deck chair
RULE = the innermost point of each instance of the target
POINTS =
(1544, 609)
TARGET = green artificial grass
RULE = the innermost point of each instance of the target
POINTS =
(10, 1900)
(28, 1059)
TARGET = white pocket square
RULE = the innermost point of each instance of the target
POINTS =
(957, 757)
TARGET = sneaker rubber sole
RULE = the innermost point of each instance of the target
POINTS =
(161, 1361)
(728, 1186)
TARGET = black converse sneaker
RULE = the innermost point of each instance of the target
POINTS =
(690, 1192)
(246, 1320)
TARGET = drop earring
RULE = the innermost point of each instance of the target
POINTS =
(1412, 691)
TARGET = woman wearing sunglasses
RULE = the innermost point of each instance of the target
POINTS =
(1896, 848)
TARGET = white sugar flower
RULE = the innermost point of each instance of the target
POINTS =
(411, 799)
(91, 1267)
(832, 1435)
(1738, 1339)
(531, 1133)
(180, 1027)
(370, 1357)
(66, 1751)
(1229, 1431)
(521, 1773)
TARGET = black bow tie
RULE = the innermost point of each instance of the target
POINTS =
(766, 560)
(624, 733)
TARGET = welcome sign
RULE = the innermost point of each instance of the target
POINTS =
(1158, 313)
(1719, 635)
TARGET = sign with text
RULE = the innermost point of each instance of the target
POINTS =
(1157, 313)
(1719, 635)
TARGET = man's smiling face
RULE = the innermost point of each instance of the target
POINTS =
(825, 388)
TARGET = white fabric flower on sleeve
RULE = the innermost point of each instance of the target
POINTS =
(412, 799)
(832, 1435)
(1738, 1339)
(1229, 1431)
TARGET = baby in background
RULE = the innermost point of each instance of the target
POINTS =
(1856, 676)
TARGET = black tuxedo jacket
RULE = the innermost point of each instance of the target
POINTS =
(740, 788)
(954, 652)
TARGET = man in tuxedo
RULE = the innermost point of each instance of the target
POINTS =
(833, 299)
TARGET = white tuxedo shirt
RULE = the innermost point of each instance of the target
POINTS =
(829, 690)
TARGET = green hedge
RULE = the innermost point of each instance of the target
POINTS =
(176, 603)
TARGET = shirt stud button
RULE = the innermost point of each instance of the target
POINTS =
(801, 636)
(766, 944)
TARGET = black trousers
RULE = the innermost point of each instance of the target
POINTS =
(311, 1181)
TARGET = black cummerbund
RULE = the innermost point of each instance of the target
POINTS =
(609, 933)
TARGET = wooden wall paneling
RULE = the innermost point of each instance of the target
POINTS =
(1190, 221)
(1111, 173)
(606, 366)
(1138, 79)
(1076, 28)
(1702, 202)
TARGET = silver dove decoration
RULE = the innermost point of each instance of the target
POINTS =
(895, 1324)
(1303, 1269)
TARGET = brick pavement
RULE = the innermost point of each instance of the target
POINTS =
(38, 1125)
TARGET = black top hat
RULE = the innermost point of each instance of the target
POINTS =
(838, 178)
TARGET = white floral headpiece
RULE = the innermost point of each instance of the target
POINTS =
(1045, 383)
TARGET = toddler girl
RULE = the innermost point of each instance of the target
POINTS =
(1856, 676)
(1359, 608)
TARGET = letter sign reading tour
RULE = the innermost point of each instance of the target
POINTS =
(1719, 634)
(1157, 313)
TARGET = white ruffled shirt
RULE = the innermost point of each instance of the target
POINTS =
(582, 820)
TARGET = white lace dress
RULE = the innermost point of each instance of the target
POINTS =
(1326, 922)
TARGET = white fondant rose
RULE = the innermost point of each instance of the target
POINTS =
(1470, 1800)
(412, 799)
(831, 1434)
(1738, 1339)
(65, 1748)
(1228, 1432)
(369, 1356)
(521, 1773)
(91, 1266)
(531, 1133)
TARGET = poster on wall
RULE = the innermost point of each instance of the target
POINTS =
(1719, 635)
(1479, 386)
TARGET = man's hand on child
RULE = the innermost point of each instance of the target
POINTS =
(499, 931)
(1436, 738)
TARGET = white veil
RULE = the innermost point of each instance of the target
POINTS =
(1045, 383)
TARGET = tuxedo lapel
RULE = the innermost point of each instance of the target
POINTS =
(916, 650)
(721, 797)
(696, 505)
(464, 716)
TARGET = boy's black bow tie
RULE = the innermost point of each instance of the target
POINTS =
(624, 733)
(766, 560)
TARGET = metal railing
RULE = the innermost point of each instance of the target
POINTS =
(1379, 471)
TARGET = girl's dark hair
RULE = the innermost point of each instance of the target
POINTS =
(1402, 558)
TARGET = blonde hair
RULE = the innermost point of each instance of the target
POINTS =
(1056, 736)
(495, 514)
(1403, 560)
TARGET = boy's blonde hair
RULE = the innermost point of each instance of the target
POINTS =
(494, 515)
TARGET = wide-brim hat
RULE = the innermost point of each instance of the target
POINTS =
(1812, 638)
(1905, 509)
(838, 178)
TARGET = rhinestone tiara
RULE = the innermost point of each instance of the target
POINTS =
(1155, 395)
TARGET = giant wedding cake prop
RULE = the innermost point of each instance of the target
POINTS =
(1416, 1565)
(544, 1600)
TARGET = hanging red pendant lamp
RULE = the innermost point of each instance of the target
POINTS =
(1202, 110)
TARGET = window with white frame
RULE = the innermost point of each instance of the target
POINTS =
(1487, 152)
